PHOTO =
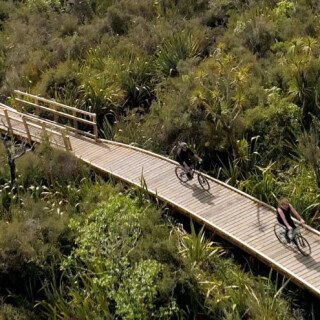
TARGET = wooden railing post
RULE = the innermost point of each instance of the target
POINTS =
(55, 116)
(18, 103)
(36, 101)
(66, 139)
(69, 143)
(44, 133)
(95, 127)
(75, 122)
(8, 121)
(27, 129)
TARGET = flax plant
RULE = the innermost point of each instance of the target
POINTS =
(180, 47)
(197, 248)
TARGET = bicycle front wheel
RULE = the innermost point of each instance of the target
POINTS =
(204, 183)
(181, 174)
(302, 244)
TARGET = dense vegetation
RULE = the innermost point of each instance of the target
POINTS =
(237, 79)
(71, 248)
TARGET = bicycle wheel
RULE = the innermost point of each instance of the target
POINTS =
(181, 174)
(280, 233)
(302, 244)
(203, 182)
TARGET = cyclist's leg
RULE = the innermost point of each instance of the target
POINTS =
(285, 233)
(190, 172)
(294, 231)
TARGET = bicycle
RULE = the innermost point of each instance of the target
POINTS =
(299, 240)
(183, 175)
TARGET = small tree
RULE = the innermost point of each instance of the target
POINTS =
(14, 150)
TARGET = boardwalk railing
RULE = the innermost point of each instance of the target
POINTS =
(41, 107)
(25, 125)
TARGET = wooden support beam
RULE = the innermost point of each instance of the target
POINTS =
(69, 143)
(75, 120)
(18, 103)
(37, 109)
(55, 114)
(65, 138)
(27, 129)
(95, 127)
(44, 133)
(8, 122)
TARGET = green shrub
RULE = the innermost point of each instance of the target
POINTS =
(185, 8)
(50, 166)
(43, 5)
(4, 169)
(82, 10)
(59, 81)
(298, 184)
(29, 170)
(9, 312)
(68, 25)
(100, 7)
(133, 287)
(179, 47)
(118, 21)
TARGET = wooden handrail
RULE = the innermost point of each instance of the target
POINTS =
(40, 125)
(51, 106)
(51, 102)
(28, 116)
(52, 124)
(59, 113)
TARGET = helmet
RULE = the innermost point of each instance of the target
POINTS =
(183, 144)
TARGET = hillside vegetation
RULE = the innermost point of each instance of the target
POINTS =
(71, 248)
(236, 79)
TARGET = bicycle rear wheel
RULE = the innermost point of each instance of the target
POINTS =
(181, 174)
(203, 182)
(280, 233)
(302, 244)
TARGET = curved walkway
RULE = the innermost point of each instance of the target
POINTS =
(234, 215)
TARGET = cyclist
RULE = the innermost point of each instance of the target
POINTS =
(284, 212)
(185, 156)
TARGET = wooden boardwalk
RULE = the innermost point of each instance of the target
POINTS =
(234, 215)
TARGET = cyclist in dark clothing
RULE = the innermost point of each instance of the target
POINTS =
(284, 217)
(185, 156)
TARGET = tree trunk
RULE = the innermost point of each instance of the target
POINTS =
(317, 172)
(12, 165)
